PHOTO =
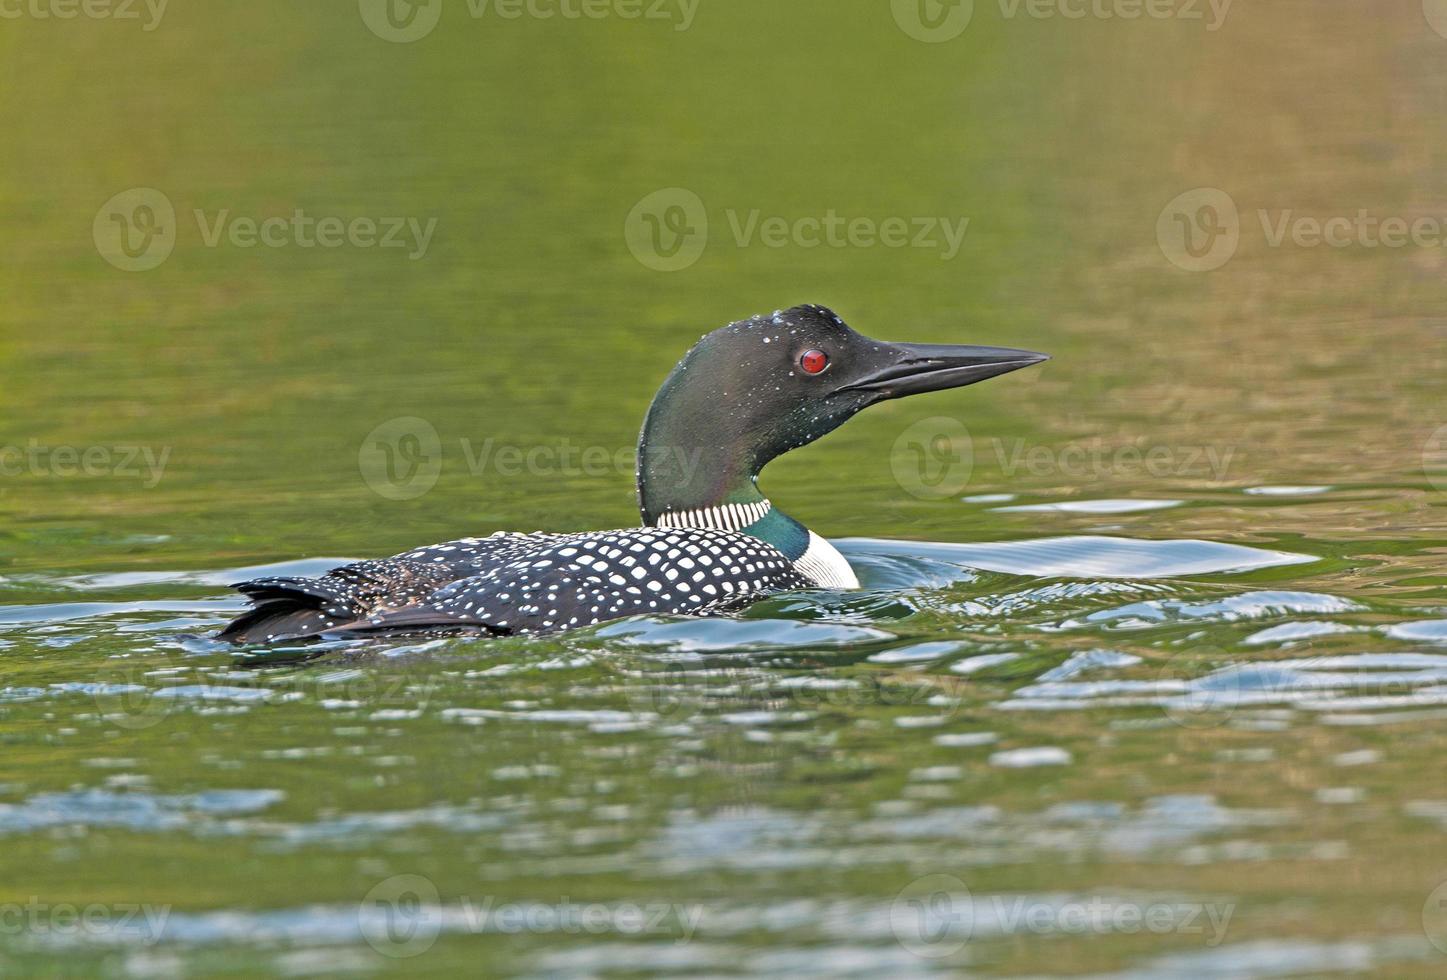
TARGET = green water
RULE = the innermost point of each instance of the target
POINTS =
(1234, 698)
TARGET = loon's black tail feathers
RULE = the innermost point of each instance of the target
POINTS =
(277, 620)
(344, 598)
(287, 608)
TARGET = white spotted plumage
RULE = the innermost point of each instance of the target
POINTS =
(544, 583)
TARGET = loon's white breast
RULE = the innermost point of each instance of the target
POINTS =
(823, 563)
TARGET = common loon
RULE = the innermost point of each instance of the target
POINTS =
(710, 541)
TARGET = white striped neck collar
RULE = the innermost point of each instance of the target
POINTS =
(723, 517)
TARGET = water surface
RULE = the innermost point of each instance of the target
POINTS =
(1158, 629)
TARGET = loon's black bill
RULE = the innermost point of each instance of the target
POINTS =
(915, 368)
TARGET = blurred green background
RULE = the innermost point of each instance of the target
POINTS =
(528, 319)
(263, 373)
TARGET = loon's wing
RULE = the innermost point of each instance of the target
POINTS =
(481, 552)
(545, 583)
(581, 579)
(287, 608)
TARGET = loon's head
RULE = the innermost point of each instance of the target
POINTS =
(755, 389)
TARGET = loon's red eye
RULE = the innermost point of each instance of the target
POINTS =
(813, 361)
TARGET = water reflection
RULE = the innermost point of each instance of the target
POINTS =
(1176, 637)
